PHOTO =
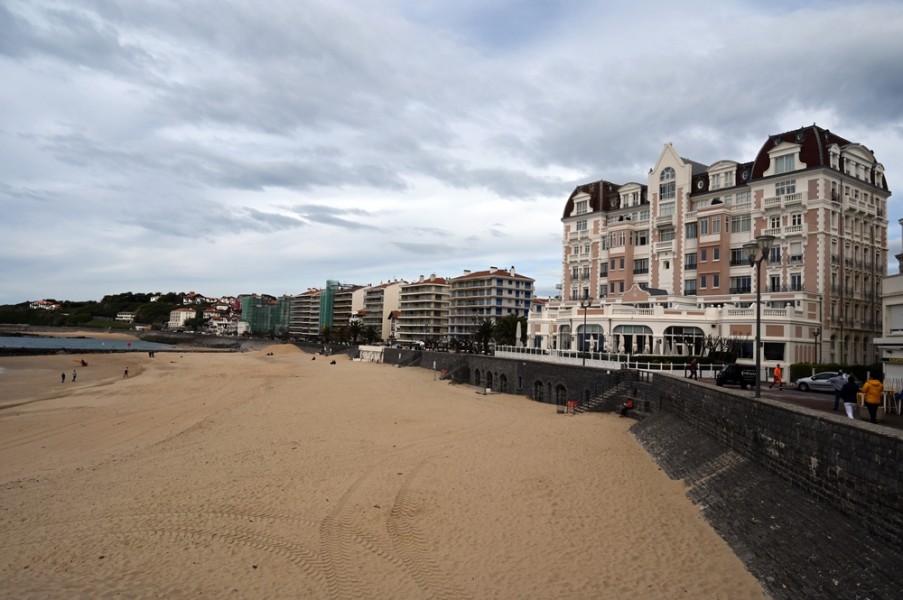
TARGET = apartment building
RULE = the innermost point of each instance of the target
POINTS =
(380, 302)
(266, 314)
(304, 322)
(491, 294)
(890, 344)
(423, 311)
(662, 266)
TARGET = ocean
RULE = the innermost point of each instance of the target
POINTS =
(31, 342)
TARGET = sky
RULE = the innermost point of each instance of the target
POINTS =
(229, 147)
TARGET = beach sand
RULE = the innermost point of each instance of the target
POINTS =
(259, 475)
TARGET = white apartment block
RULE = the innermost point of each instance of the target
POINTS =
(423, 311)
(179, 316)
(304, 319)
(380, 301)
(661, 267)
(492, 294)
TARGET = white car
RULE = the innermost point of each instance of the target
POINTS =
(816, 383)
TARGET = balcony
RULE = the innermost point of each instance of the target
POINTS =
(773, 202)
(664, 246)
(796, 198)
(664, 221)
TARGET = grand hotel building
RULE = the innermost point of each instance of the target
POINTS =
(660, 267)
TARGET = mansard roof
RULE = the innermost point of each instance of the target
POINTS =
(814, 145)
(601, 195)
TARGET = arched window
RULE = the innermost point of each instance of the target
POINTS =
(666, 186)
(686, 341)
(592, 339)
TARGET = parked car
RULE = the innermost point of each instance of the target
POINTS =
(734, 374)
(816, 383)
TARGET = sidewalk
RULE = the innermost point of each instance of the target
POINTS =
(824, 401)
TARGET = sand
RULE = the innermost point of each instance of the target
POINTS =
(261, 475)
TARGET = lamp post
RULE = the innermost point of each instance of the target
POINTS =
(585, 303)
(815, 334)
(757, 252)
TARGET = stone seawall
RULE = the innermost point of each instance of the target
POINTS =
(812, 503)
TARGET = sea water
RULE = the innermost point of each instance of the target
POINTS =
(79, 344)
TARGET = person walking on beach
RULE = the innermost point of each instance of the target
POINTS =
(837, 382)
(62, 378)
(848, 394)
(777, 378)
(74, 375)
(125, 373)
(874, 391)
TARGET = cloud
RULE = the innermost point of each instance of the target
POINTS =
(300, 142)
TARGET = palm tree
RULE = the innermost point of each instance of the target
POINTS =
(371, 334)
(485, 333)
(355, 330)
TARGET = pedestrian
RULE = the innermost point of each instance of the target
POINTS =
(873, 389)
(837, 382)
(62, 378)
(848, 393)
(74, 375)
(776, 378)
(126, 372)
(693, 367)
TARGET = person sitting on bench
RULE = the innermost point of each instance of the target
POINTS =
(627, 407)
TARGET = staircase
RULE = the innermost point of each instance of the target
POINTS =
(456, 374)
(604, 402)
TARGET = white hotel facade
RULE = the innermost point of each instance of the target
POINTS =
(660, 267)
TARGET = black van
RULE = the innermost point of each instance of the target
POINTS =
(742, 375)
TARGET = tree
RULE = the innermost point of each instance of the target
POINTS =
(485, 333)
(506, 329)
(355, 330)
(371, 334)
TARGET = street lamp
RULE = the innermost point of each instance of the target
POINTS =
(585, 303)
(756, 252)
(815, 334)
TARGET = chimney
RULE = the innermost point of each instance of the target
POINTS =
(512, 271)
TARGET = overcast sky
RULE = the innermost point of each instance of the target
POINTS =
(231, 147)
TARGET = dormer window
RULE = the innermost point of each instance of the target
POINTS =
(580, 207)
(784, 164)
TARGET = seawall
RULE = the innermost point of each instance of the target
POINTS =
(813, 503)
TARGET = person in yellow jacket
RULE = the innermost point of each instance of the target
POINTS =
(873, 392)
